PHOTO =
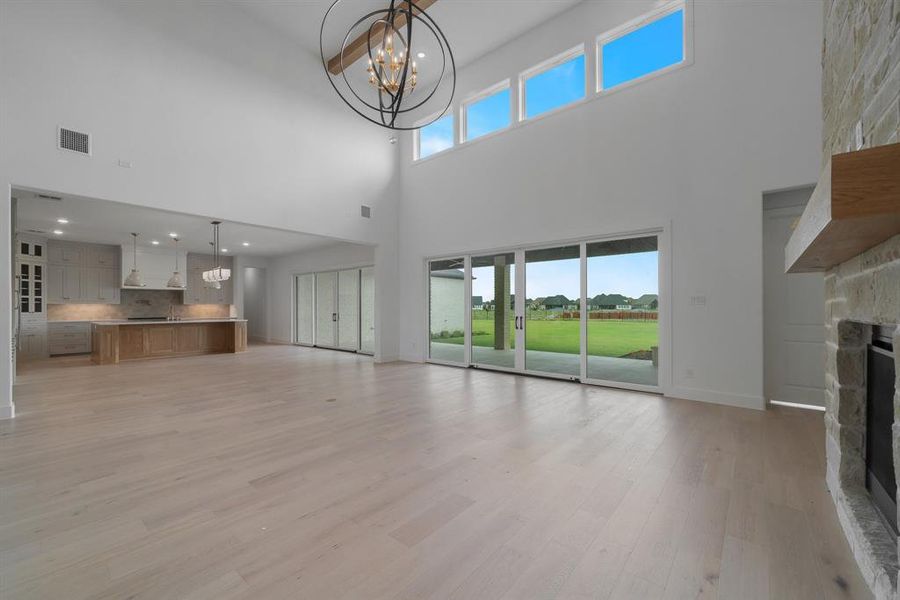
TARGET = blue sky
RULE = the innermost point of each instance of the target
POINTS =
(631, 275)
(488, 115)
(436, 137)
(560, 85)
(650, 48)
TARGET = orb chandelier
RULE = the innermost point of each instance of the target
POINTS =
(390, 87)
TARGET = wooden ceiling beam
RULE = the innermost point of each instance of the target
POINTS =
(359, 47)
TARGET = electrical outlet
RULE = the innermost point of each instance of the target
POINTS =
(688, 373)
(125, 164)
(698, 300)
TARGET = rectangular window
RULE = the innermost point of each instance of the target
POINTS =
(486, 113)
(553, 85)
(436, 137)
(642, 50)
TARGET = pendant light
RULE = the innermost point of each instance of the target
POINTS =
(176, 281)
(134, 278)
(217, 274)
(211, 285)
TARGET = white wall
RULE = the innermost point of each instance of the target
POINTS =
(255, 307)
(281, 281)
(218, 115)
(692, 150)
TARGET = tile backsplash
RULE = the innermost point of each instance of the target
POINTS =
(139, 303)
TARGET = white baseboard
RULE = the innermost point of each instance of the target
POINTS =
(8, 411)
(713, 397)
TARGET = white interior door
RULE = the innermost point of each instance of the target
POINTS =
(348, 310)
(306, 304)
(367, 311)
(326, 309)
(794, 315)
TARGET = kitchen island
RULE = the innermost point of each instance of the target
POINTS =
(114, 341)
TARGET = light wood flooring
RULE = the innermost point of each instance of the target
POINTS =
(297, 473)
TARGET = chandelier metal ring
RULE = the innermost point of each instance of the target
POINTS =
(392, 75)
(382, 107)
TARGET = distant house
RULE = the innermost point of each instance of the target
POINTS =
(477, 302)
(608, 302)
(647, 302)
(623, 307)
(560, 302)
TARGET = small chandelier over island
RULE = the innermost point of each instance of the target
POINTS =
(215, 276)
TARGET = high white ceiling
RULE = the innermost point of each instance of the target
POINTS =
(473, 27)
(103, 222)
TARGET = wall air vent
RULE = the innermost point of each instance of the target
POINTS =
(48, 197)
(76, 141)
(365, 211)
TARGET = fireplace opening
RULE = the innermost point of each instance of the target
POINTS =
(880, 380)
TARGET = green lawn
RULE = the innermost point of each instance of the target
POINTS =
(605, 338)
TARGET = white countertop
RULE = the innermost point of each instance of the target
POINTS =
(162, 322)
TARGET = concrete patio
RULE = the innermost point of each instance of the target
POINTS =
(608, 368)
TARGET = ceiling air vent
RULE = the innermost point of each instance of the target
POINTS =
(76, 141)
(365, 211)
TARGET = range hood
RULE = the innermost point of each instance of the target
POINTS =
(155, 265)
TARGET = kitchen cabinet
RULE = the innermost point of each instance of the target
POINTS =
(69, 337)
(64, 285)
(30, 248)
(100, 285)
(83, 273)
(65, 253)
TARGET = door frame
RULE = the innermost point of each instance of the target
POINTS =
(663, 233)
(294, 300)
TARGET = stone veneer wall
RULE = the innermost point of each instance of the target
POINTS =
(138, 303)
(861, 292)
(860, 73)
(860, 83)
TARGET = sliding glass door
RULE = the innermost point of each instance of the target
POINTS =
(336, 309)
(447, 311)
(305, 313)
(623, 311)
(553, 315)
(326, 310)
(367, 310)
(494, 322)
(584, 311)
(348, 309)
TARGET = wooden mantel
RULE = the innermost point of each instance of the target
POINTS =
(855, 206)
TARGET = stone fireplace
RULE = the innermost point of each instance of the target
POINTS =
(861, 293)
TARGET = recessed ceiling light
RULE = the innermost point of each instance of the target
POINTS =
(246, 244)
(57, 232)
(224, 249)
(62, 221)
(421, 55)
(173, 235)
(155, 242)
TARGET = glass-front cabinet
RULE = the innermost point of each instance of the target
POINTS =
(31, 287)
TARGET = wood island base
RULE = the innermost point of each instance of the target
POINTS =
(117, 341)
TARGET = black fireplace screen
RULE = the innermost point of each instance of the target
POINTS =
(880, 479)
